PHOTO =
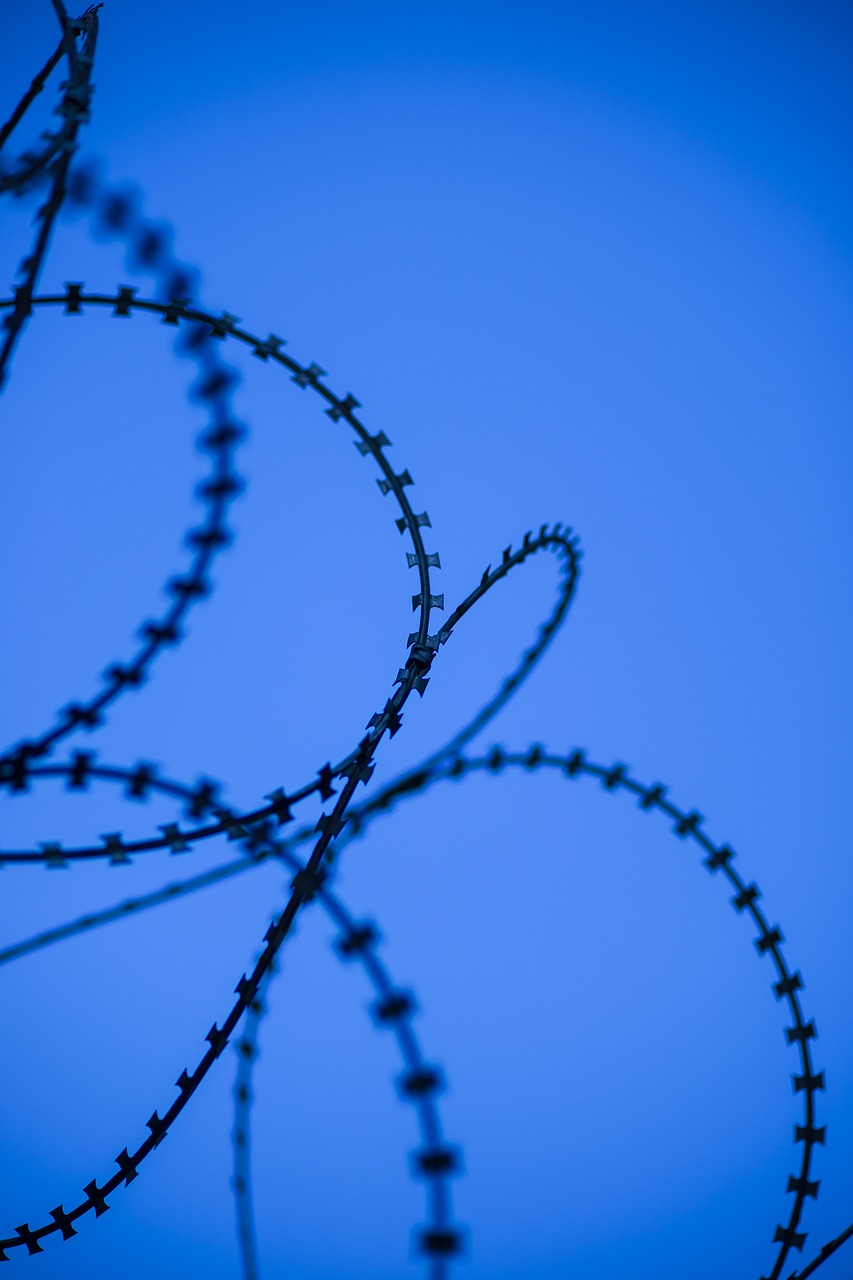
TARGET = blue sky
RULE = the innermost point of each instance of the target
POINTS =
(589, 264)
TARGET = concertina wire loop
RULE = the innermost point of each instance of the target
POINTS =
(200, 333)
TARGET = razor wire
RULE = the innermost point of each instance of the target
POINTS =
(114, 211)
(355, 940)
(685, 823)
(49, 164)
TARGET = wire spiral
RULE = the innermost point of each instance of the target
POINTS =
(201, 335)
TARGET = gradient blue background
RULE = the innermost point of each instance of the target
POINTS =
(589, 263)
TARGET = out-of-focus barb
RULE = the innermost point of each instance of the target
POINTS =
(268, 830)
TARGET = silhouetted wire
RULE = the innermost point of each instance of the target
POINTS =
(393, 1007)
(421, 643)
(687, 824)
(305, 884)
(413, 675)
(49, 165)
(831, 1247)
(440, 1238)
(241, 1134)
(447, 764)
(36, 85)
(114, 213)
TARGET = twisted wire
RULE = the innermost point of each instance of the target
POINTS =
(685, 823)
(241, 1134)
(36, 85)
(257, 830)
(306, 883)
(213, 391)
(447, 764)
(420, 1083)
(357, 940)
(16, 767)
(73, 106)
(50, 165)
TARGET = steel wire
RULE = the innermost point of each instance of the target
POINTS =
(257, 831)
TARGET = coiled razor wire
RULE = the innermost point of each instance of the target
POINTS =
(393, 1007)
(257, 831)
(50, 163)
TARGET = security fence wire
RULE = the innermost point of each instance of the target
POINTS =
(311, 854)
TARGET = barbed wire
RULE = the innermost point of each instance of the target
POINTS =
(356, 940)
(447, 764)
(257, 831)
(686, 824)
(420, 1084)
(50, 165)
(15, 767)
